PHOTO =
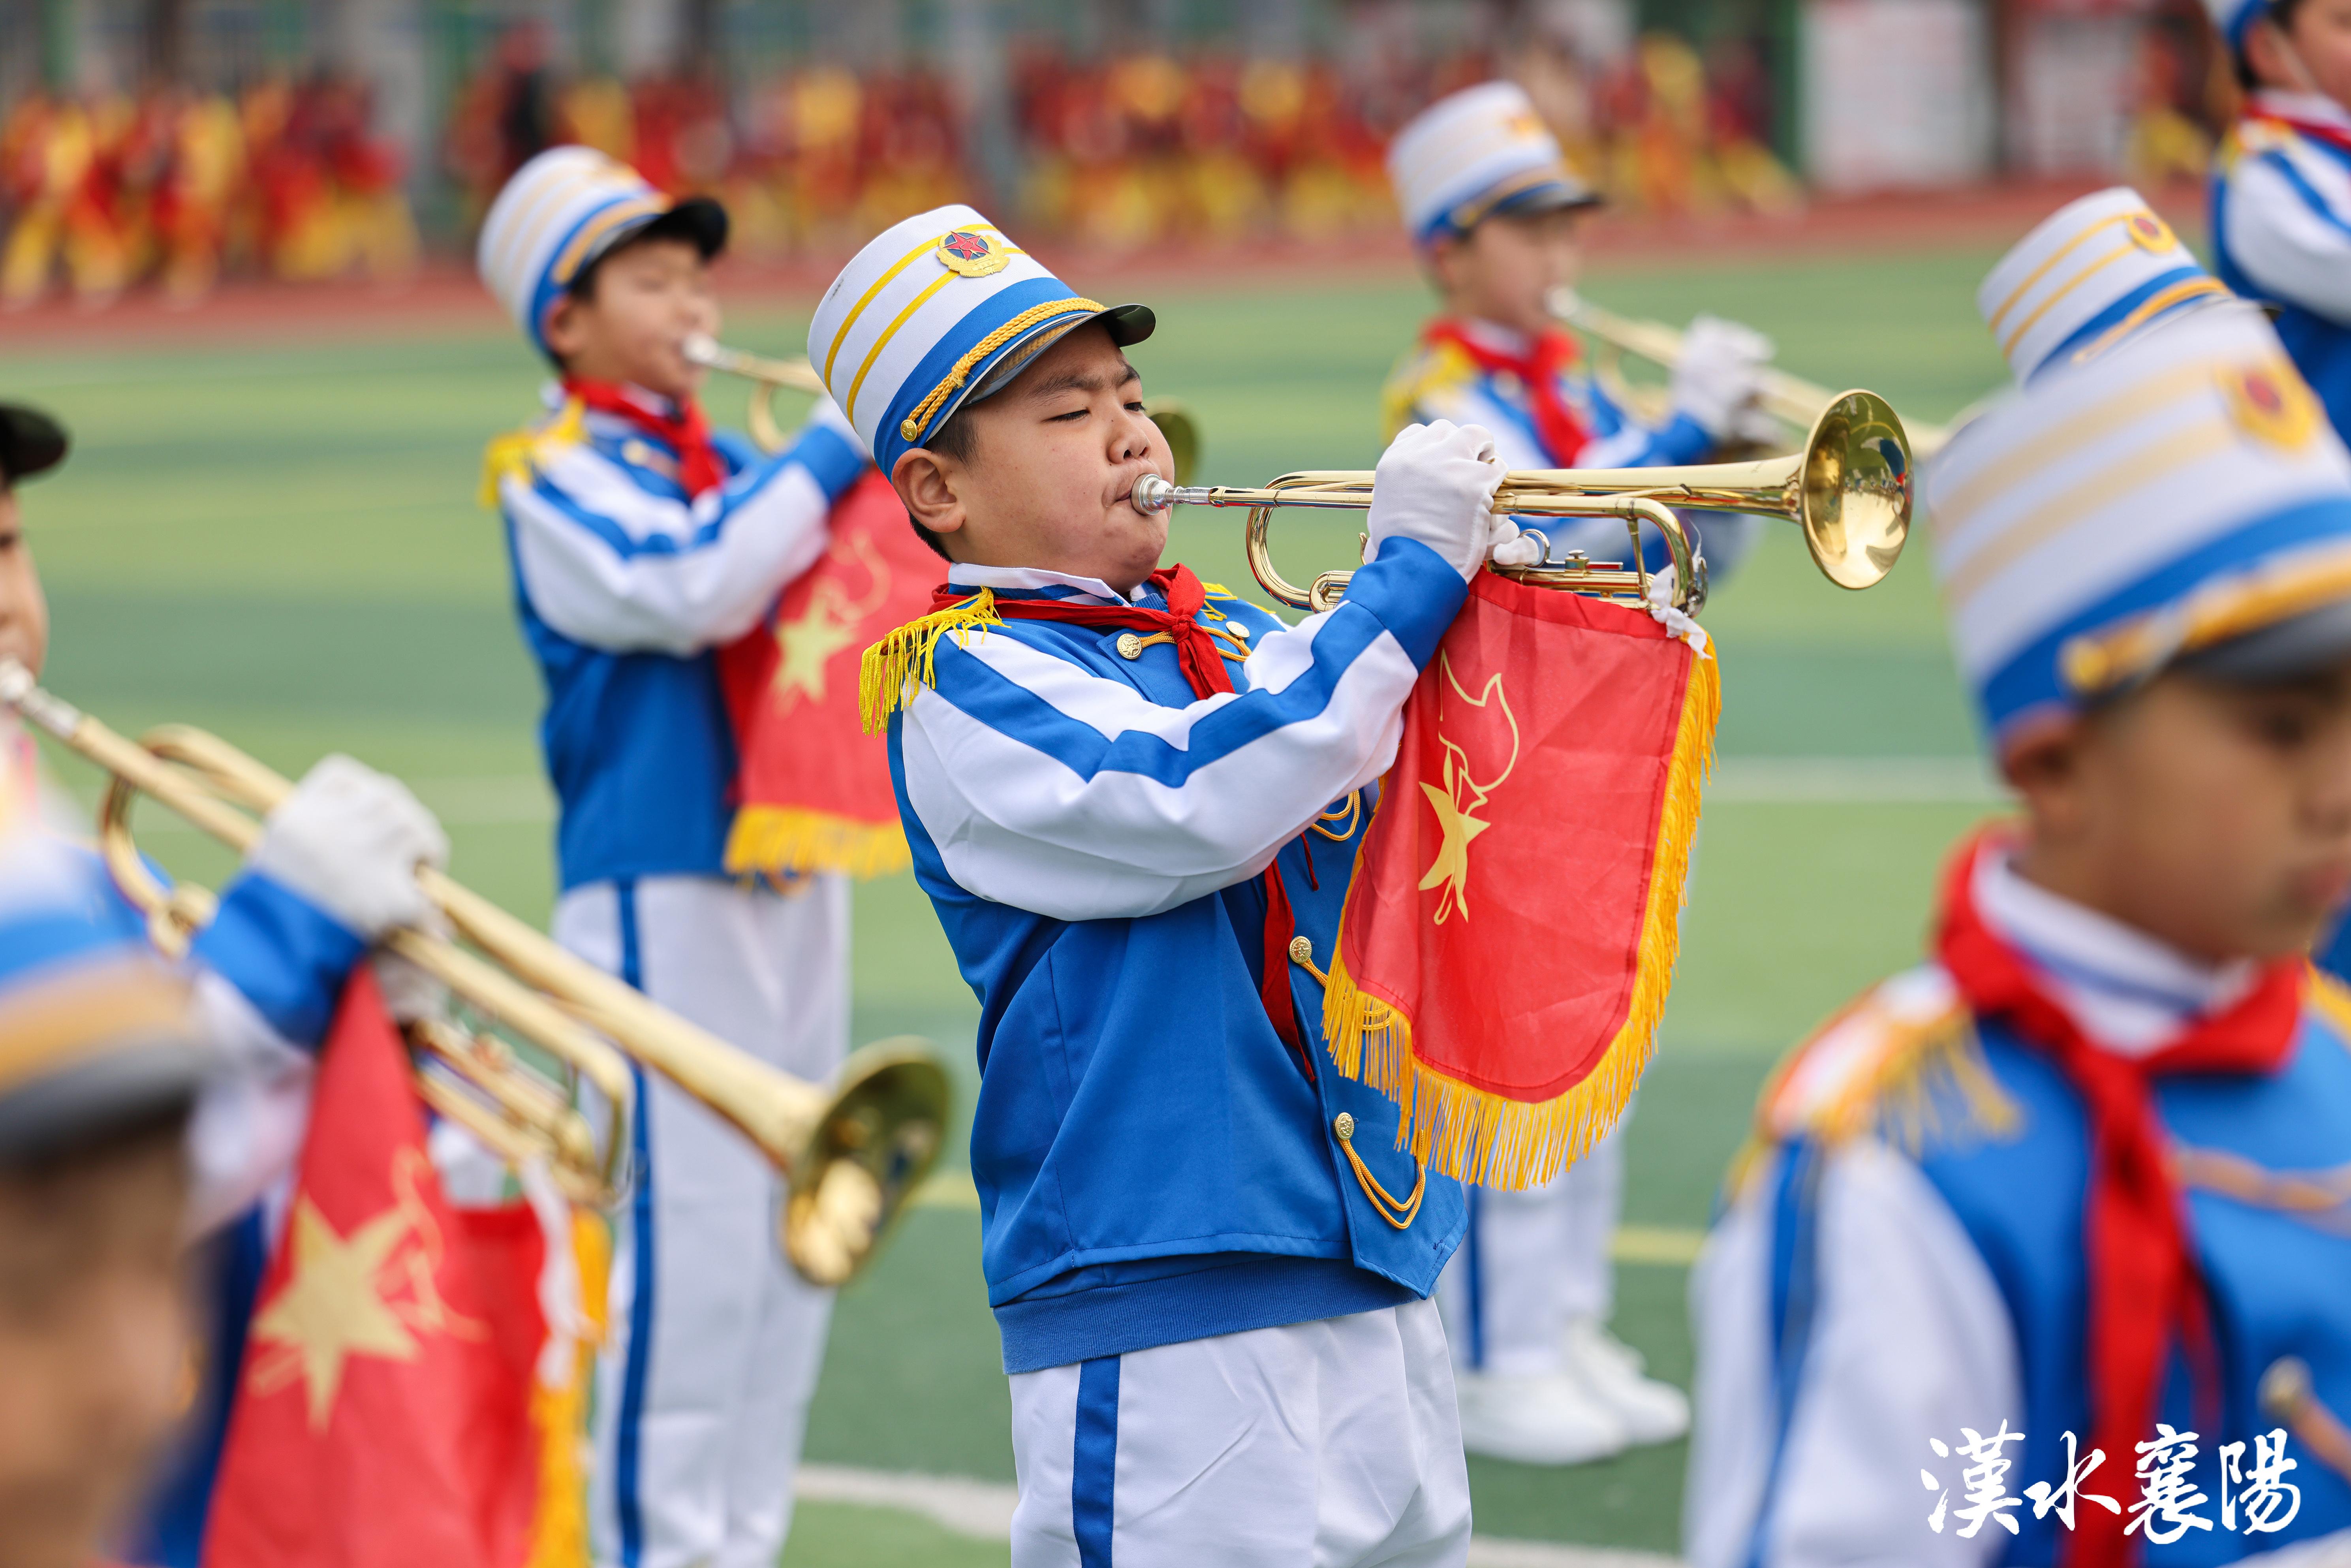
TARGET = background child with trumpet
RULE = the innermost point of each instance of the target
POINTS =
(640, 542)
(1207, 1259)
(1494, 208)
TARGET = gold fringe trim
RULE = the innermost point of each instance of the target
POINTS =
(909, 653)
(1490, 1139)
(1932, 1087)
(770, 841)
(519, 451)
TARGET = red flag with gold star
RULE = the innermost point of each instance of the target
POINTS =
(812, 789)
(384, 1412)
(1509, 936)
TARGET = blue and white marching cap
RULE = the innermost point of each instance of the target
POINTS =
(96, 1031)
(2232, 18)
(1477, 153)
(2181, 498)
(563, 210)
(2088, 276)
(934, 312)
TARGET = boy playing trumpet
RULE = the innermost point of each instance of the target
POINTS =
(1134, 801)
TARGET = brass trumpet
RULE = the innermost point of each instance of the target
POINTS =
(1175, 421)
(1791, 399)
(852, 1152)
(1849, 490)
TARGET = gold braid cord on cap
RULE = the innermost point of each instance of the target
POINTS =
(914, 424)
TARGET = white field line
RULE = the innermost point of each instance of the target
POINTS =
(524, 800)
(983, 1509)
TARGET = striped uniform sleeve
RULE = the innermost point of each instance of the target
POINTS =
(1910, 1340)
(609, 563)
(1620, 441)
(2286, 223)
(1050, 788)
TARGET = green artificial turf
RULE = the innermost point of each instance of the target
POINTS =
(282, 541)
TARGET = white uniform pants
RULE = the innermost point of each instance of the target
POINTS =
(1332, 1443)
(703, 1389)
(1534, 1259)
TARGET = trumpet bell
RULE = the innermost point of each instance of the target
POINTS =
(875, 1142)
(1182, 433)
(1854, 490)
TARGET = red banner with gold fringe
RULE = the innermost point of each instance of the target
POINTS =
(812, 789)
(1509, 938)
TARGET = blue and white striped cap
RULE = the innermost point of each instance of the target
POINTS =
(96, 1031)
(2181, 494)
(563, 210)
(1481, 151)
(2232, 18)
(2091, 273)
(934, 312)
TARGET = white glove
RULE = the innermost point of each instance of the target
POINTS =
(410, 995)
(1435, 483)
(1720, 367)
(349, 840)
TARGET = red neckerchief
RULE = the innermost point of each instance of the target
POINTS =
(2335, 135)
(2144, 1283)
(698, 467)
(1553, 351)
(1204, 668)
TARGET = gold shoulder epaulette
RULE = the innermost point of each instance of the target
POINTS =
(2331, 1001)
(520, 451)
(909, 656)
(1902, 1062)
(1428, 369)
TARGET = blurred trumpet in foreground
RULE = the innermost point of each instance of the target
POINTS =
(1175, 421)
(1849, 490)
(1792, 400)
(852, 1152)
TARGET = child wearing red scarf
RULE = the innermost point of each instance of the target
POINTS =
(643, 541)
(1497, 214)
(2036, 1223)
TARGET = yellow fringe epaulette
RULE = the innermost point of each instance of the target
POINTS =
(1902, 1063)
(778, 840)
(908, 656)
(522, 450)
(1476, 1136)
(1429, 370)
(2331, 1001)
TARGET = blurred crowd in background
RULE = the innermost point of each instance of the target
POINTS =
(1202, 143)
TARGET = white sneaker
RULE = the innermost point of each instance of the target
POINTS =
(1545, 1420)
(1610, 1371)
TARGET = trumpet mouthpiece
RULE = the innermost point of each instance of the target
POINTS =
(702, 350)
(1152, 493)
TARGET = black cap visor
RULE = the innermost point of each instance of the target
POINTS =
(2305, 644)
(87, 1103)
(30, 442)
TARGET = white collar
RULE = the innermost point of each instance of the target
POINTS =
(2131, 993)
(2314, 107)
(552, 394)
(1494, 336)
(964, 574)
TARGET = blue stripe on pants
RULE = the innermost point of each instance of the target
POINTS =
(1473, 1277)
(1093, 1473)
(626, 1503)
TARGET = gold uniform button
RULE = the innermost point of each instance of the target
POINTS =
(1237, 629)
(1301, 951)
(1344, 1126)
(1129, 646)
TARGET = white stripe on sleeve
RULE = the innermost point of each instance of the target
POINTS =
(2294, 251)
(1072, 794)
(607, 564)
